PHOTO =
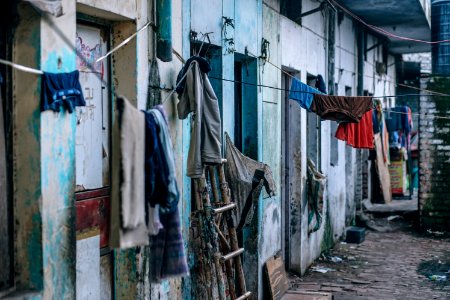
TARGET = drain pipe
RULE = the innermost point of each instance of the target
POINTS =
(164, 27)
(361, 53)
(331, 50)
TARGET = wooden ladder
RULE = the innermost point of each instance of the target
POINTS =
(218, 239)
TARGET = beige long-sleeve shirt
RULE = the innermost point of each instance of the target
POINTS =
(199, 99)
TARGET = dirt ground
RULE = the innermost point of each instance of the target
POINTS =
(387, 265)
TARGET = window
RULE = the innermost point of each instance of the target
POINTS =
(292, 9)
(313, 132)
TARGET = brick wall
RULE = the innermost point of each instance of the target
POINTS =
(434, 190)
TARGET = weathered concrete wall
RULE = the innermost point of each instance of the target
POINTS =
(305, 51)
(434, 159)
(58, 162)
(28, 248)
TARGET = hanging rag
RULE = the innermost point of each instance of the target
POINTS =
(320, 84)
(302, 93)
(169, 203)
(204, 67)
(61, 90)
(167, 257)
(199, 99)
(358, 135)
(315, 187)
(341, 108)
(246, 177)
(128, 220)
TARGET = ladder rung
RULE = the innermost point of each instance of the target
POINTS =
(245, 296)
(232, 254)
(224, 208)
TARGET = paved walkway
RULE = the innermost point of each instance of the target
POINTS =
(385, 267)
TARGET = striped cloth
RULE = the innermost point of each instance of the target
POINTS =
(167, 256)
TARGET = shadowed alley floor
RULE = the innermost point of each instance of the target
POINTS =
(388, 265)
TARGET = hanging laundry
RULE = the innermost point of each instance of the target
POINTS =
(315, 187)
(204, 67)
(399, 124)
(341, 108)
(358, 135)
(169, 203)
(320, 84)
(302, 93)
(246, 178)
(61, 90)
(198, 98)
(379, 126)
(156, 174)
(128, 220)
(167, 257)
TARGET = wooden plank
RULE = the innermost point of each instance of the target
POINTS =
(276, 275)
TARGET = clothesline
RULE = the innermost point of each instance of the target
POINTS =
(306, 92)
(127, 40)
(416, 114)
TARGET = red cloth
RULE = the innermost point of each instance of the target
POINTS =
(358, 135)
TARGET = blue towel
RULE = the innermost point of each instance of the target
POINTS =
(304, 99)
(61, 90)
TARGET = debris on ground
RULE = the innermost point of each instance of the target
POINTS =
(438, 278)
(336, 259)
(387, 265)
(322, 270)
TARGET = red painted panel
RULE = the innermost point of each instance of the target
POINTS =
(92, 194)
(94, 214)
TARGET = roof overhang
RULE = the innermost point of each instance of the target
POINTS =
(408, 18)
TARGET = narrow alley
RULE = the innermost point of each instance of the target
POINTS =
(387, 265)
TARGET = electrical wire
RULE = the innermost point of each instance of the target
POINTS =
(385, 32)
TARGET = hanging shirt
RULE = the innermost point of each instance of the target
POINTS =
(341, 108)
(61, 90)
(358, 135)
(199, 99)
(302, 93)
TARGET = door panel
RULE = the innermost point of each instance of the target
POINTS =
(92, 136)
(94, 260)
